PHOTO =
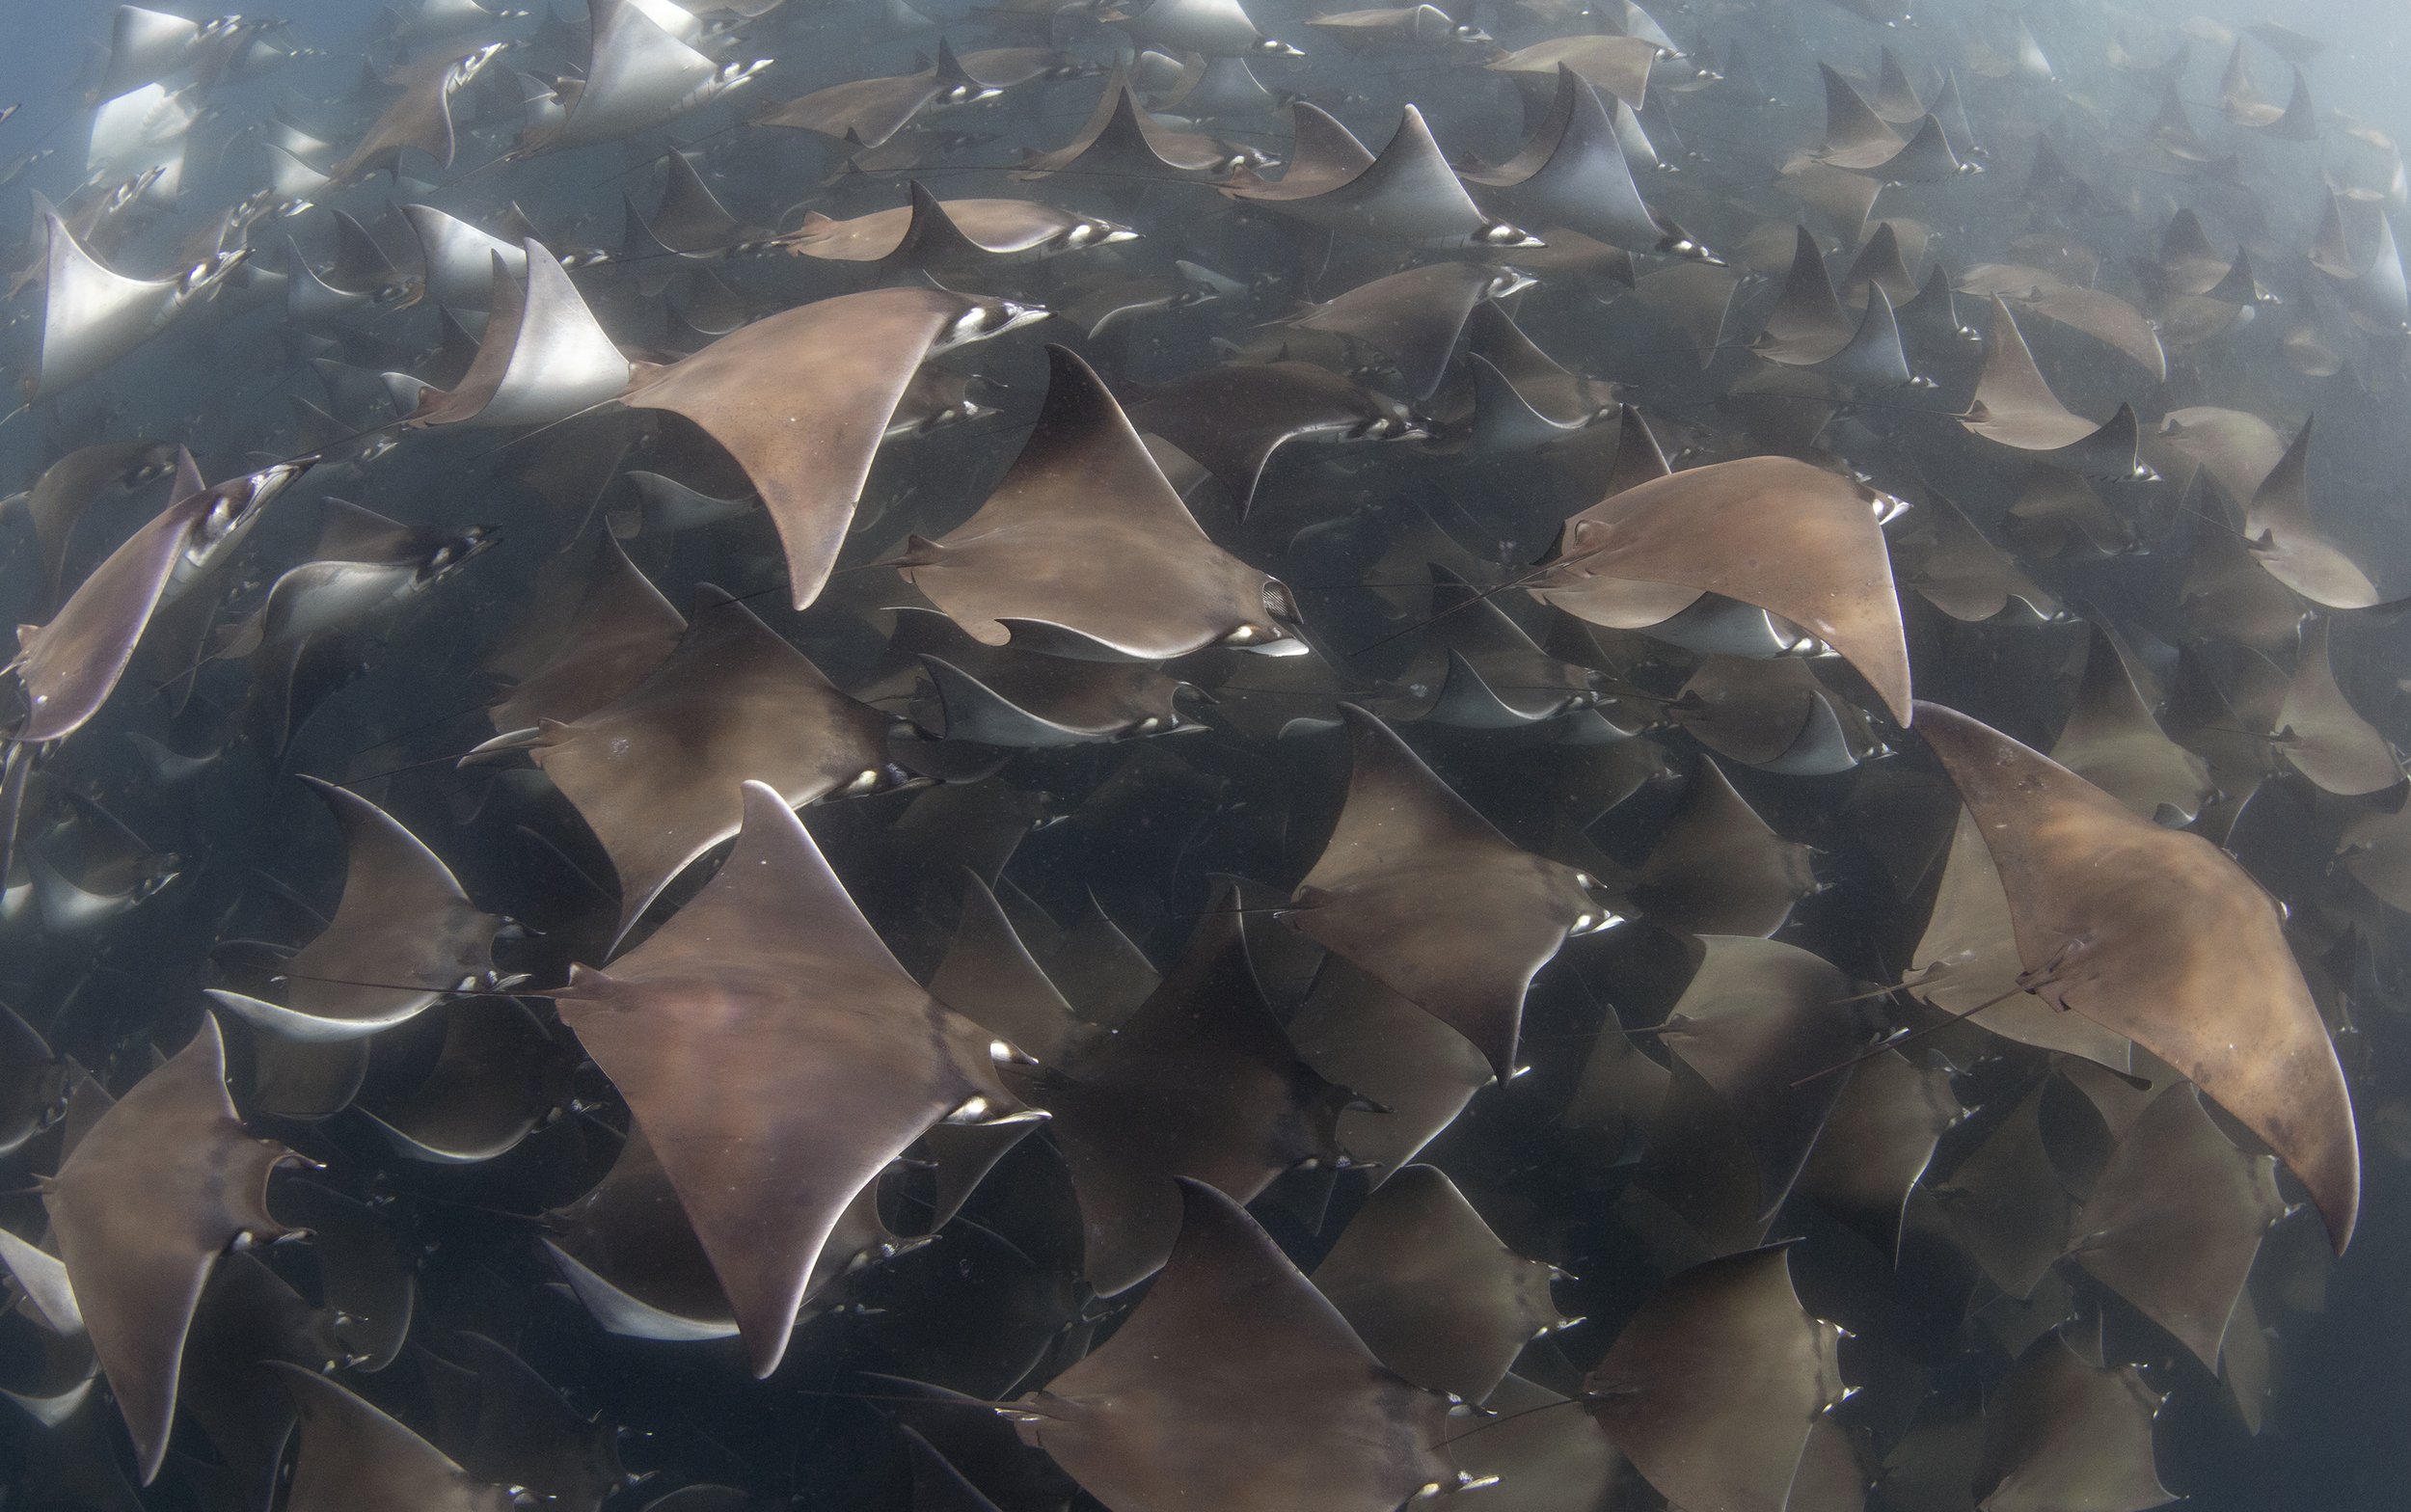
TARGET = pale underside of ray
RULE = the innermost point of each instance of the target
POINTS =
(543, 356)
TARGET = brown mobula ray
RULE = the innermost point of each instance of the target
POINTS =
(1521, 396)
(2158, 935)
(1414, 318)
(780, 1058)
(32, 1081)
(2113, 740)
(1573, 173)
(1084, 549)
(158, 1186)
(867, 111)
(369, 1284)
(2065, 1432)
(1022, 700)
(1356, 1032)
(2016, 408)
(1756, 1019)
(952, 236)
(58, 497)
(1718, 868)
(1858, 139)
(2006, 1202)
(2103, 317)
(2322, 735)
(420, 118)
(1406, 193)
(403, 936)
(542, 359)
(1773, 713)
(1768, 531)
(68, 667)
(1122, 139)
(509, 1426)
(801, 399)
(2176, 1219)
(619, 631)
(1431, 1291)
(1200, 1082)
(497, 1077)
(1235, 1385)
(1712, 1387)
(1877, 1142)
(355, 1458)
(1229, 419)
(990, 977)
(1419, 891)
(1619, 64)
(2288, 542)
(655, 771)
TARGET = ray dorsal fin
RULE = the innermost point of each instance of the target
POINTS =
(780, 1058)
(1083, 532)
(2157, 934)
(403, 923)
(162, 1182)
(1231, 1374)
(543, 357)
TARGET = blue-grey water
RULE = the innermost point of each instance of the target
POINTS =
(1112, 849)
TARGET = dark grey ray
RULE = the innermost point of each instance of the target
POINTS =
(1406, 193)
(1230, 420)
(1573, 172)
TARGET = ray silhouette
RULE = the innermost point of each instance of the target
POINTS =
(1179, 1405)
(157, 1187)
(403, 926)
(1421, 892)
(780, 1057)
